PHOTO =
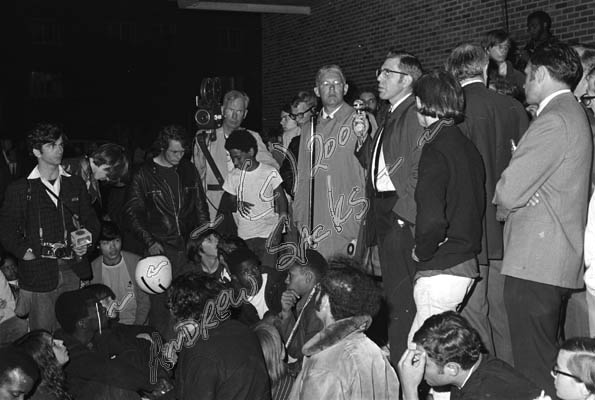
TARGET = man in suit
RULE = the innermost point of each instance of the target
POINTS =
(542, 195)
(391, 158)
(491, 121)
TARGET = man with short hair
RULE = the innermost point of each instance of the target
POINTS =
(341, 362)
(297, 319)
(18, 374)
(332, 206)
(165, 203)
(449, 352)
(38, 216)
(234, 110)
(539, 24)
(392, 159)
(492, 121)
(542, 196)
(116, 269)
(90, 370)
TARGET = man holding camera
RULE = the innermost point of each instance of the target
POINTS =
(48, 223)
(234, 110)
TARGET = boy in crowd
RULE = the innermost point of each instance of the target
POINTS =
(115, 268)
(254, 191)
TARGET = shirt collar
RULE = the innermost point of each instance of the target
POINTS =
(475, 80)
(547, 100)
(35, 174)
(331, 115)
(393, 107)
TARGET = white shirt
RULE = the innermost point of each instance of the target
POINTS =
(55, 187)
(547, 100)
(331, 115)
(382, 181)
(258, 300)
(475, 80)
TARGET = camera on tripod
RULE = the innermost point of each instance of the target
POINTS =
(208, 115)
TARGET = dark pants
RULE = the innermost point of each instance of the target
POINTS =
(534, 311)
(395, 243)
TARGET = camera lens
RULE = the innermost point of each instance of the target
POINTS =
(202, 117)
(60, 252)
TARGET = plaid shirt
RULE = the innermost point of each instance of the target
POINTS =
(26, 207)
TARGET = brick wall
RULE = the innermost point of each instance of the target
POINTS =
(357, 35)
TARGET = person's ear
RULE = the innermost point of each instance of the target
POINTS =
(452, 369)
(541, 73)
(584, 391)
(37, 153)
(316, 91)
(245, 113)
(345, 88)
(309, 276)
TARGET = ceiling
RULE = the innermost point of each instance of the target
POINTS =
(257, 6)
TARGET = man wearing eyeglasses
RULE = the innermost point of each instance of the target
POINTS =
(165, 203)
(338, 196)
(234, 110)
(391, 158)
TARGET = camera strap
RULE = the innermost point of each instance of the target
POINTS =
(203, 147)
(75, 217)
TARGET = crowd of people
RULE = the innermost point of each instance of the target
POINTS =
(455, 208)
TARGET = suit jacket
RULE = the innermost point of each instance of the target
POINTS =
(491, 121)
(544, 243)
(143, 303)
(400, 135)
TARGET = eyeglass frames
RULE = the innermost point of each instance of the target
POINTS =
(300, 115)
(385, 72)
(556, 372)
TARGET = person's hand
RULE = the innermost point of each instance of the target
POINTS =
(244, 208)
(80, 250)
(28, 256)
(156, 249)
(411, 369)
(289, 299)
(534, 200)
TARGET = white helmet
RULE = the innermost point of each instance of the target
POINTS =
(153, 274)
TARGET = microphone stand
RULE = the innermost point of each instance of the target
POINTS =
(312, 166)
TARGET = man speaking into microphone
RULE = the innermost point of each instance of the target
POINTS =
(338, 201)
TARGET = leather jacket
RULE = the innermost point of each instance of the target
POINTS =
(151, 208)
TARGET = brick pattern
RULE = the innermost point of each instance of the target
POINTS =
(357, 35)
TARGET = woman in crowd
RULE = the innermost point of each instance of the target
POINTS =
(203, 254)
(273, 350)
(50, 355)
(574, 371)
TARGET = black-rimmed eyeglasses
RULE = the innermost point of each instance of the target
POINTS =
(556, 372)
(586, 99)
(300, 115)
(385, 72)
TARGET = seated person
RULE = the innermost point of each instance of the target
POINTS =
(246, 271)
(203, 254)
(11, 326)
(254, 195)
(225, 364)
(90, 371)
(116, 268)
(449, 353)
(341, 362)
(18, 373)
(574, 372)
(297, 321)
(273, 351)
(50, 356)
